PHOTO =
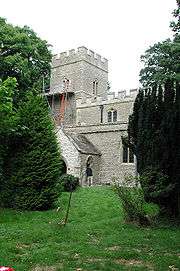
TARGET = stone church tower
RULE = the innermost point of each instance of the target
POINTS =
(90, 120)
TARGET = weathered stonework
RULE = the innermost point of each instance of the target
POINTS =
(69, 154)
(85, 133)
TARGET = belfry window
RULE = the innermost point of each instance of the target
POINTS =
(112, 115)
(109, 116)
(128, 156)
(95, 87)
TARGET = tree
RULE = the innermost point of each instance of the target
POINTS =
(154, 129)
(30, 163)
(154, 126)
(161, 63)
(7, 117)
(33, 165)
(7, 89)
(162, 60)
(175, 25)
(25, 56)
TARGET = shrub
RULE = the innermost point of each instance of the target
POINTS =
(135, 208)
(155, 185)
(68, 182)
(151, 209)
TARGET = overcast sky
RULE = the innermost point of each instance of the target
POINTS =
(120, 30)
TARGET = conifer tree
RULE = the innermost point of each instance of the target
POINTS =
(34, 166)
(154, 126)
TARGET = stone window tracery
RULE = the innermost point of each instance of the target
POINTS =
(112, 115)
(128, 156)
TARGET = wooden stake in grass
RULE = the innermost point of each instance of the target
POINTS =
(68, 208)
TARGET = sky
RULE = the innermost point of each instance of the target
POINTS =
(119, 30)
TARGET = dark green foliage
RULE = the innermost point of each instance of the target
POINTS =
(132, 202)
(33, 165)
(135, 208)
(162, 60)
(161, 63)
(68, 182)
(29, 157)
(25, 56)
(7, 118)
(155, 184)
(154, 126)
(154, 133)
(175, 25)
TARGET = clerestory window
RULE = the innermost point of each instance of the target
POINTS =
(95, 87)
(112, 115)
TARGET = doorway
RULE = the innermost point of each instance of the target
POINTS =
(89, 171)
(64, 167)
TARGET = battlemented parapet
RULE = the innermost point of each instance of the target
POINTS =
(111, 98)
(82, 53)
(86, 72)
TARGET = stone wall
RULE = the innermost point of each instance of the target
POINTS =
(111, 165)
(107, 139)
(69, 154)
(81, 68)
(90, 113)
(94, 73)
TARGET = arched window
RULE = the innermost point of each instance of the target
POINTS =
(95, 87)
(112, 115)
(65, 83)
(128, 156)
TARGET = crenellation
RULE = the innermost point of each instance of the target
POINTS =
(122, 94)
(91, 53)
(98, 57)
(63, 55)
(82, 53)
(133, 93)
(104, 59)
(72, 52)
(82, 50)
(55, 56)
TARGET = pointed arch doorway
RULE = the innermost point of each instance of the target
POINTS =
(89, 171)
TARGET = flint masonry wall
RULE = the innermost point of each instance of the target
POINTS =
(111, 165)
(81, 67)
(90, 113)
(107, 139)
(69, 153)
(106, 136)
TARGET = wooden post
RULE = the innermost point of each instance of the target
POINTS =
(68, 207)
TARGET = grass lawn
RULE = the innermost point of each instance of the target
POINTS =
(95, 238)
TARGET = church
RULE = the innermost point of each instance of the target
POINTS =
(91, 121)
